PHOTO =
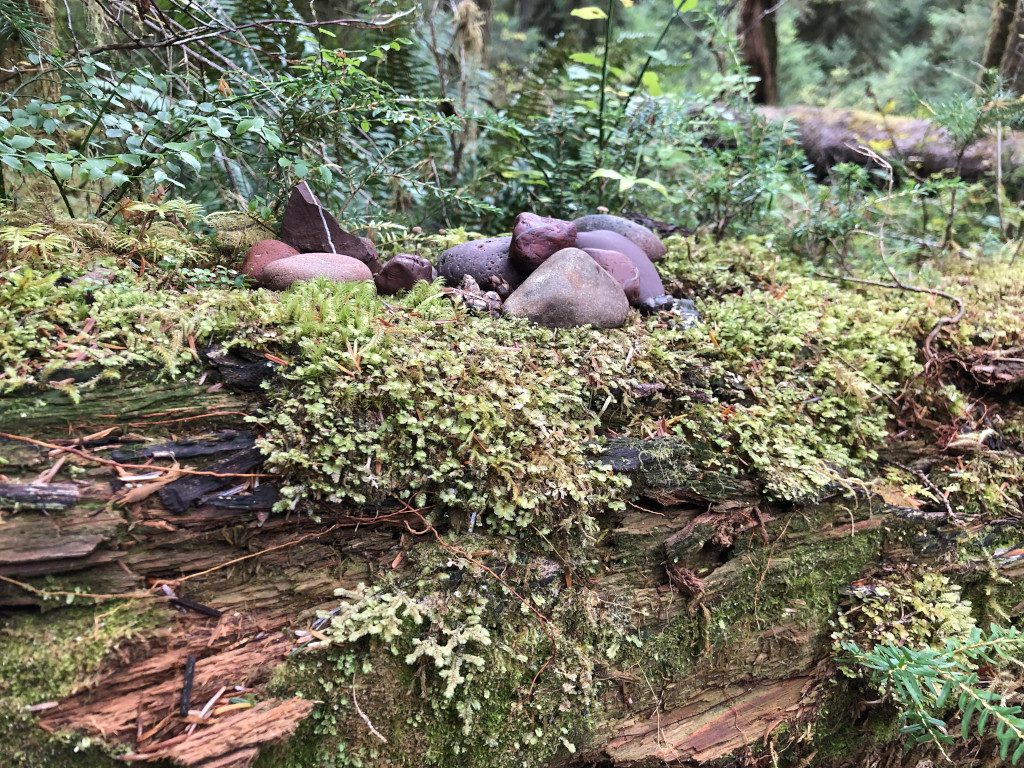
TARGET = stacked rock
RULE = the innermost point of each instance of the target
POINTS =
(556, 273)
(314, 245)
(564, 273)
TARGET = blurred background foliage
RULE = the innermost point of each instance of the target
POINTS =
(439, 114)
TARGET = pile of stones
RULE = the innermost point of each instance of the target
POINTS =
(313, 245)
(564, 273)
(556, 273)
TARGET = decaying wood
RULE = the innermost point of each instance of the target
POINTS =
(52, 496)
(263, 577)
(714, 724)
(1001, 369)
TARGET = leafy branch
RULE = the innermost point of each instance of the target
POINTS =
(925, 684)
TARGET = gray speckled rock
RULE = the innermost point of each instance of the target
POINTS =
(621, 268)
(487, 261)
(569, 289)
(402, 272)
(650, 281)
(535, 238)
(282, 273)
(263, 253)
(648, 241)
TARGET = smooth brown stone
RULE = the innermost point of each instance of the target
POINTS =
(283, 273)
(650, 281)
(567, 290)
(402, 272)
(535, 238)
(646, 239)
(619, 266)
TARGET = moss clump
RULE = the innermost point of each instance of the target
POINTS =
(924, 611)
(420, 401)
(759, 587)
(415, 399)
(807, 369)
(44, 657)
(451, 669)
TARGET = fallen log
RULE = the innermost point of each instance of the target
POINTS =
(734, 596)
(832, 136)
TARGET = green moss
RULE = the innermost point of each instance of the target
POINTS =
(444, 662)
(44, 657)
(760, 587)
(836, 738)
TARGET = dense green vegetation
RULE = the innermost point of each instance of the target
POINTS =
(842, 317)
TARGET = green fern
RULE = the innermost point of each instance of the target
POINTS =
(17, 20)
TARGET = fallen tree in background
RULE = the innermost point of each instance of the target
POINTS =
(832, 136)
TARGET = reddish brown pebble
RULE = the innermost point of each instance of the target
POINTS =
(402, 272)
(262, 253)
(535, 238)
(621, 268)
(282, 273)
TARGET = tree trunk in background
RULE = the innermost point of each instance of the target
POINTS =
(759, 47)
(832, 136)
(1004, 49)
(998, 31)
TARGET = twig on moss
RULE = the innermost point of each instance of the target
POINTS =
(363, 717)
(59, 593)
(931, 357)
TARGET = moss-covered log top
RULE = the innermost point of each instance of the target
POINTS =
(626, 547)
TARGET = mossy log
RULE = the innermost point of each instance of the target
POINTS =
(732, 598)
(832, 136)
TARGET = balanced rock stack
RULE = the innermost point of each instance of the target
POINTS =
(314, 245)
(564, 273)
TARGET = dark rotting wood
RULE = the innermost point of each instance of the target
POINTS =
(223, 442)
(263, 497)
(181, 494)
(186, 689)
(192, 605)
(38, 496)
(241, 370)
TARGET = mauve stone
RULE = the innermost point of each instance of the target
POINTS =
(648, 241)
(282, 273)
(487, 261)
(650, 281)
(264, 252)
(621, 268)
(402, 272)
(309, 228)
(535, 238)
(570, 289)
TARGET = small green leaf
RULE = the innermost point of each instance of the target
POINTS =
(190, 160)
(589, 59)
(62, 170)
(652, 83)
(21, 141)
